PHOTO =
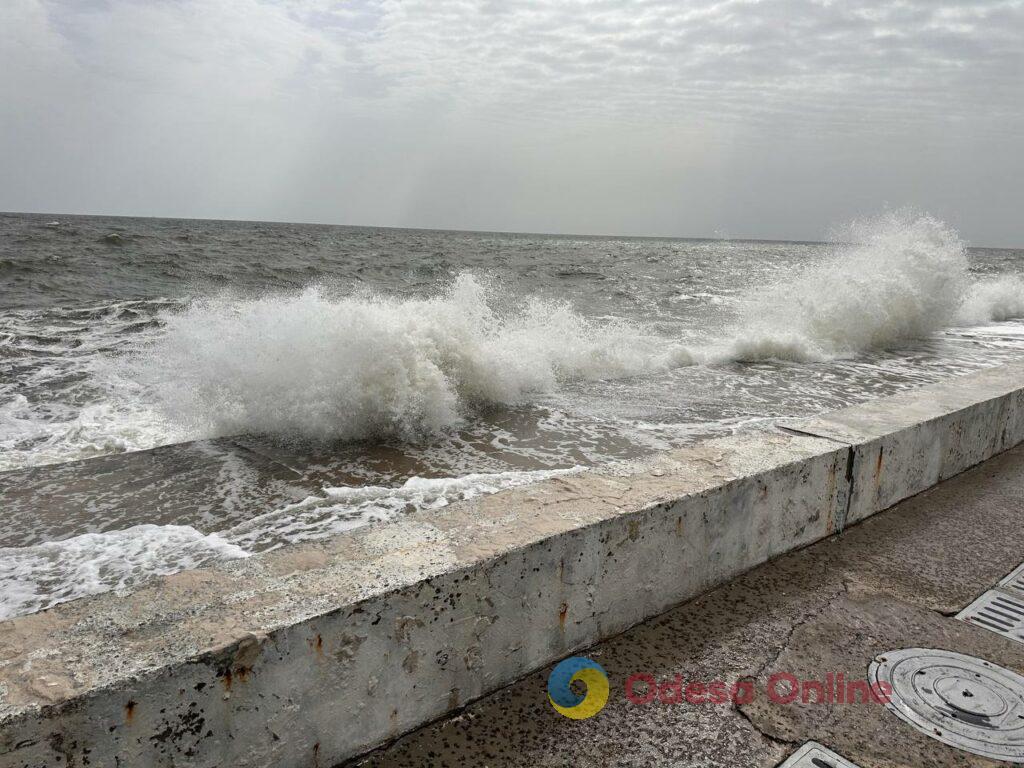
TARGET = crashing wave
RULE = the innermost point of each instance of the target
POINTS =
(367, 366)
(906, 277)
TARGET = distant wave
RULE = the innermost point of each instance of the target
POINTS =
(368, 366)
(906, 277)
(993, 299)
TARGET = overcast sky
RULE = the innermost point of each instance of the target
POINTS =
(737, 118)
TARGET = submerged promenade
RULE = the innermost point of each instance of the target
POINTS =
(317, 653)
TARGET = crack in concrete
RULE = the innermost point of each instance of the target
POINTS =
(773, 661)
(802, 620)
(760, 731)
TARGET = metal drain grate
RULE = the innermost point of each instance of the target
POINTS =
(1014, 583)
(814, 755)
(968, 703)
(998, 612)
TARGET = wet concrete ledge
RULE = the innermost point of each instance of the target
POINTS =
(318, 652)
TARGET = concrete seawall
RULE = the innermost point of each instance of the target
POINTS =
(317, 652)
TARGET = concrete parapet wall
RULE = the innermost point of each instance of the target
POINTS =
(903, 444)
(317, 652)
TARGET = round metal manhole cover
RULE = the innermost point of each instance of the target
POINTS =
(960, 700)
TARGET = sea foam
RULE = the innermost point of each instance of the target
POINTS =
(38, 577)
(364, 366)
(905, 277)
(993, 299)
(345, 507)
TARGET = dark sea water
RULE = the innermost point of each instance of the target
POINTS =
(430, 355)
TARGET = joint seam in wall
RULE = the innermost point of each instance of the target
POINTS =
(851, 458)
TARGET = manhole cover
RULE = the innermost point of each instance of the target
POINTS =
(962, 701)
(813, 755)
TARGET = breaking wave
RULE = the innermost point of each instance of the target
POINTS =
(905, 278)
(993, 299)
(367, 366)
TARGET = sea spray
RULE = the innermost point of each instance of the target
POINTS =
(904, 277)
(66, 392)
(364, 366)
(993, 299)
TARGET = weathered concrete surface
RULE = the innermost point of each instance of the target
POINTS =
(891, 582)
(315, 652)
(906, 443)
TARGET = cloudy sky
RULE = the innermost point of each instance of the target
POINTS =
(774, 119)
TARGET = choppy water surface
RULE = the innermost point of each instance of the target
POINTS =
(420, 357)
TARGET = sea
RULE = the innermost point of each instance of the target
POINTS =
(440, 365)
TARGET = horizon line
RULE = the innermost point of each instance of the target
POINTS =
(693, 238)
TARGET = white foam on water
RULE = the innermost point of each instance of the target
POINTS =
(344, 508)
(60, 400)
(38, 577)
(96, 429)
(369, 366)
(905, 278)
(993, 299)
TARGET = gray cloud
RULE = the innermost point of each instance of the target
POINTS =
(775, 118)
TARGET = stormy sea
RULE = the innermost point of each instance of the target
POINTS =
(434, 366)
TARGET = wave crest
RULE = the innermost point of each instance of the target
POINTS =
(361, 366)
(905, 278)
(993, 299)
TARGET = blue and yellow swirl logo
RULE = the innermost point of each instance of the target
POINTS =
(568, 702)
